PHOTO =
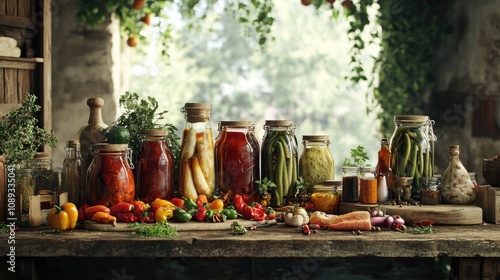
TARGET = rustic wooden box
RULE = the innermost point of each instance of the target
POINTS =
(489, 200)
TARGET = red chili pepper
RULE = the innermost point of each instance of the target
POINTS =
(248, 199)
(91, 210)
(81, 211)
(121, 207)
(239, 203)
(309, 206)
(201, 215)
(138, 204)
(179, 202)
(126, 217)
(147, 217)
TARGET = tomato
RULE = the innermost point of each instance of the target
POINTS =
(132, 41)
(217, 204)
(118, 135)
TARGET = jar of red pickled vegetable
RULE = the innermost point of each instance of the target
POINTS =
(368, 186)
(316, 162)
(197, 163)
(109, 177)
(279, 159)
(237, 156)
(154, 167)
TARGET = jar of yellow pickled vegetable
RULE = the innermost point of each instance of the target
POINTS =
(316, 163)
(326, 197)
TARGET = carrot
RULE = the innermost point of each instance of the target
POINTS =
(357, 220)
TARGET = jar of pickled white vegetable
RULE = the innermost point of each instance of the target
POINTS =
(316, 163)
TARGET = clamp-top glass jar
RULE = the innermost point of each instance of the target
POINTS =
(326, 198)
(279, 159)
(109, 178)
(237, 157)
(155, 167)
(197, 163)
(412, 147)
(46, 178)
(316, 163)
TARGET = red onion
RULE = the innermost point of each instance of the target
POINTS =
(389, 221)
(378, 221)
(398, 222)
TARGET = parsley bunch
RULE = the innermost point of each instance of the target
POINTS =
(160, 229)
(358, 157)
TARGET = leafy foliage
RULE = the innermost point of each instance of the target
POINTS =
(160, 229)
(358, 157)
(20, 136)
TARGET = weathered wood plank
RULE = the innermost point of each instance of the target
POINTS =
(11, 7)
(6, 108)
(24, 8)
(3, 8)
(19, 63)
(2, 86)
(10, 85)
(24, 83)
(3, 186)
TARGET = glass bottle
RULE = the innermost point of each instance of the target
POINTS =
(429, 191)
(383, 171)
(456, 186)
(74, 173)
(154, 167)
(46, 178)
(412, 141)
(91, 133)
(237, 157)
(279, 159)
(325, 197)
(316, 163)
(197, 162)
(368, 186)
(109, 178)
(350, 183)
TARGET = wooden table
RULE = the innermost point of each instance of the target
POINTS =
(475, 248)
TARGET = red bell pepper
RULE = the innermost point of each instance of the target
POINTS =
(126, 217)
(253, 213)
(179, 202)
(121, 207)
(239, 203)
(81, 211)
(146, 217)
(201, 214)
(139, 205)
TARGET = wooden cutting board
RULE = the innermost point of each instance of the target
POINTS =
(189, 226)
(442, 214)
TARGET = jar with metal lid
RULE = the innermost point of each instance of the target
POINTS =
(237, 157)
(154, 177)
(109, 178)
(279, 159)
(73, 173)
(412, 147)
(316, 163)
(429, 191)
(350, 183)
(368, 186)
(46, 178)
(197, 158)
(325, 197)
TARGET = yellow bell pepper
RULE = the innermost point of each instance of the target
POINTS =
(163, 203)
(162, 214)
(63, 217)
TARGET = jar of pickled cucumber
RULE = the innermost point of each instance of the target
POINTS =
(316, 163)
(325, 197)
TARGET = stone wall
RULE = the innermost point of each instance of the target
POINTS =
(86, 62)
(468, 81)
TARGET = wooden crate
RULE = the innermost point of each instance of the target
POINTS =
(489, 200)
(38, 216)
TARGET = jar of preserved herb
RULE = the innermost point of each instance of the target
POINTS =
(326, 198)
(350, 183)
(316, 162)
(279, 159)
(46, 178)
(237, 157)
(74, 173)
(109, 178)
(154, 167)
(429, 191)
(197, 159)
(412, 147)
(368, 186)
(25, 185)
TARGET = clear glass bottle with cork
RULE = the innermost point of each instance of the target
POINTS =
(74, 173)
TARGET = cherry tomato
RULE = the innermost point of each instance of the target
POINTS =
(217, 204)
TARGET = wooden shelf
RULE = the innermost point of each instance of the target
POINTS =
(19, 22)
(19, 62)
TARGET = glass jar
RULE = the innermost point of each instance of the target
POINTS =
(404, 188)
(412, 147)
(25, 186)
(73, 173)
(279, 159)
(316, 162)
(350, 183)
(429, 191)
(197, 162)
(154, 167)
(46, 178)
(368, 186)
(325, 197)
(109, 178)
(237, 157)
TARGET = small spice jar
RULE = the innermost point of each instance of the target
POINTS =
(350, 183)
(368, 186)
(46, 178)
(429, 191)
(109, 178)
(403, 188)
(326, 198)
(25, 186)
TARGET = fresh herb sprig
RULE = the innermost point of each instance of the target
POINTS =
(238, 229)
(265, 185)
(358, 157)
(160, 229)
(420, 230)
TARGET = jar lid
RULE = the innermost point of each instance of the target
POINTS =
(153, 132)
(316, 138)
(368, 169)
(109, 147)
(73, 143)
(322, 188)
(197, 112)
(41, 155)
(279, 122)
(332, 183)
(198, 105)
(411, 118)
(241, 124)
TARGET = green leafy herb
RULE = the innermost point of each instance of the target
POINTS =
(265, 185)
(358, 157)
(420, 230)
(160, 229)
(238, 229)
(3, 228)
(50, 231)
(20, 136)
